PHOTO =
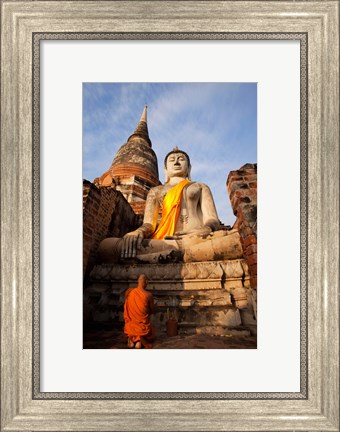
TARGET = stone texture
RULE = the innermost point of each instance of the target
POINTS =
(105, 213)
(215, 247)
(242, 189)
(138, 155)
(197, 294)
(175, 276)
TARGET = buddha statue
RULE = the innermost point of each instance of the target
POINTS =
(189, 229)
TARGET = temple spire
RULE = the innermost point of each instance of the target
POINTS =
(144, 116)
(134, 169)
(142, 128)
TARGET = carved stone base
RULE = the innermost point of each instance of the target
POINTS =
(198, 294)
(177, 276)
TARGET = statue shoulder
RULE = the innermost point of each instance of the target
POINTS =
(202, 186)
(157, 193)
(157, 189)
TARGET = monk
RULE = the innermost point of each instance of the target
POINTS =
(186, 229)
(138, 307)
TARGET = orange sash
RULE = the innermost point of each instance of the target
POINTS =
(170, 211)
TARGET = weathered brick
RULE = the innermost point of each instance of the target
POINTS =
(87, 237)
(253, 282)
(249, 240)
(242, 190)
(87, 230)
(236, 185)
(249, 167)
(253, 269)
(251, 260)
(246, 231)
(250, 250)
(234, 176)
(106, 214)
(250, 178)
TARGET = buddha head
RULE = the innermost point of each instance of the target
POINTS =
(177, 164)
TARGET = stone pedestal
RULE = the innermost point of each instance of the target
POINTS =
(199, 295)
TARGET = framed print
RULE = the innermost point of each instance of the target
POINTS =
(286, 362)
(48, 51)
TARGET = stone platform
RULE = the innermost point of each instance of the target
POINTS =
(198, 295)
(112, 337)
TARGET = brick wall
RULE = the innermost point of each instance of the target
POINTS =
(138, 207)
(106, 213)
(242, 189)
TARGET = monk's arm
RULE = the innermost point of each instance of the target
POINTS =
(210, 218)
(151, 304)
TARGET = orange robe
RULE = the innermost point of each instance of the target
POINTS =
(137, 310)
(170, 211)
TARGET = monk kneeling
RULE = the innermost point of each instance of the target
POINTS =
(138, 307)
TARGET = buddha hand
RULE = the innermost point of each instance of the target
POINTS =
(132, 242)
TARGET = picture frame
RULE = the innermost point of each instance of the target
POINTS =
(317, 406)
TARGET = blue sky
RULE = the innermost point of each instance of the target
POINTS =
(215, 123)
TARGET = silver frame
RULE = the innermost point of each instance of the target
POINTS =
(24, 23)
(302, 38)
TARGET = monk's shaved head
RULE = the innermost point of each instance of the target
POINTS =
(143, 280)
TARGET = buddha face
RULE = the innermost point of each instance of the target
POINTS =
(177, 165)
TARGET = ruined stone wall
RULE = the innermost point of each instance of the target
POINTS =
(242, 189)
(106, 213)
(138, 207)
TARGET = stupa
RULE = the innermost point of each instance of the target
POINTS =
(134, 169)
